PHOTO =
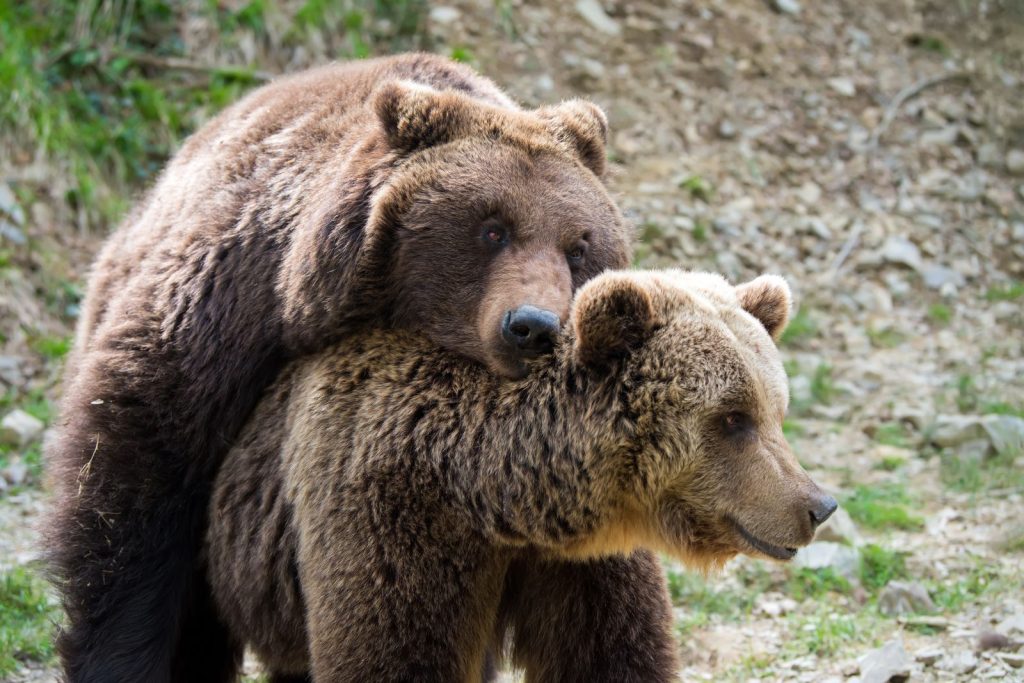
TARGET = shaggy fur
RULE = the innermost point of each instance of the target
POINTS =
(392, 510)
(347, 194)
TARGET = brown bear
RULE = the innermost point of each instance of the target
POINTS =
(406, 192)
(392, 511)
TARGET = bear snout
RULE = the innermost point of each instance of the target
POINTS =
(821, 509)
(530, 331)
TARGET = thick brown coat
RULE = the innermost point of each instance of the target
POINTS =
(349, 194)
(392, 511)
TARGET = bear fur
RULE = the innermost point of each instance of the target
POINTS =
(349, 195)
(392, 512)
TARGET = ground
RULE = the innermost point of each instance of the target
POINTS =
(872, 152)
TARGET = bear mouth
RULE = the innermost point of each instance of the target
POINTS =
(770, 549)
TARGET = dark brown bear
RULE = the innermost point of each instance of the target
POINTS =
(407, 192)
(392, 511)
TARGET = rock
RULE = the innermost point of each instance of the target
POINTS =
(1005, 433)
(887, 663)
(839, 529)
(899, 598)
(444, 15)
(10, 371)
(19, 429)
(809, 193)
(960, 663)
(786, 6)
(993, 640)
(1014, 624)
(990, 155)
(1015, 162)
(16, 473)
(898, 249)
(937, 277)
(843, 86)
(595, 15)
(929, 655)
(1016, 660)
(726, 130)
(842, 559)
(940, 137)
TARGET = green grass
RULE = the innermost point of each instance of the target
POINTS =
(697, 187)
(96, 88)
(52, 348)
(940, 314)
(879, 566)
(26, 620)
(973, 475)
(700, 231)
(886, 337)
(801, 327)
(826, 633)
(882, 506)
(891, 434)
(807, 583)
(958, 590)
(822, 386)
(1008, 292)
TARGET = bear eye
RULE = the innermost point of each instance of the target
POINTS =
(575, 254)
(736, 423)
(494, 234)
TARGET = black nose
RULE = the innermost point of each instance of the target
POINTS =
(823, 509)
(531, 331)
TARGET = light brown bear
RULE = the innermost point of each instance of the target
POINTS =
(392, 511)
(406, 192)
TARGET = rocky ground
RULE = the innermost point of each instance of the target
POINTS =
(873, 153)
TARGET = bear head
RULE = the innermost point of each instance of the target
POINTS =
(705, 467)
(490, 219)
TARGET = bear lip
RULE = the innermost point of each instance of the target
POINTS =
(770, 549)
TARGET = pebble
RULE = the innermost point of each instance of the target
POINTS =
(444, 15)
(726, 129)
(842, 559)
(937, 277)
(899, 249)
(19, 429)
(839, 528)
(899, 598)
(885, 664)
(16, 473)
(843, 86)
(786, 6)
(929, 655)
(1015, 162)
(595, 15)
(960, 663)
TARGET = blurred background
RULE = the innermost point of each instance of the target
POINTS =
(870, 150)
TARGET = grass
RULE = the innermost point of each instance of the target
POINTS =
(882, 506)
(699, 600)
(697, 187)
(26, 620)
(1007, 292)
(940, 314)
(886, 337)
(952, 594)
(891, 434)
(52, 348)
(807, 583)
(825, 633)
(822, 386)
(700, 231)
(879, 566)
(973, 475)
(94, 87)
(800, 328)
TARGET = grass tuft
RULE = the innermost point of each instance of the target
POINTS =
(26, 620)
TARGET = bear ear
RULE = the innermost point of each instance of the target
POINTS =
(768, 299)
(612, 316)
(583, 127)
(415, 116)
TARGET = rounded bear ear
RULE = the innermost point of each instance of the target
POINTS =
(416, 116)
(767, 298)
(612, 316)
(583, 127)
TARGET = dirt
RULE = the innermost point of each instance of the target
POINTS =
(869, 151)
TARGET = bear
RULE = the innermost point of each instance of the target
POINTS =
(393, 512)
(406, 192)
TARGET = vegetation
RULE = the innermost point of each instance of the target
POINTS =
(882, 506)
(26, 620)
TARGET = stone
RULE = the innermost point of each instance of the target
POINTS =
(444, 15)
(1015, 162)
(839, 528)
(19, 429)
(937, 277)
(842, 559)
(809, 193)
(786, 6)
(1014, 624)
(843, 86)
(993, 640)
(900, 598)
(889, 663)
(10, 371)
(990, 155)
(929, 655)
(959, 663)
(1005, 433)
(726, 129)
(898, 249)
(595, 15)
(953, 430)
(16, 472)
(1014, 659)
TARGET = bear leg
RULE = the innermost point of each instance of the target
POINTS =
(606, 619)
